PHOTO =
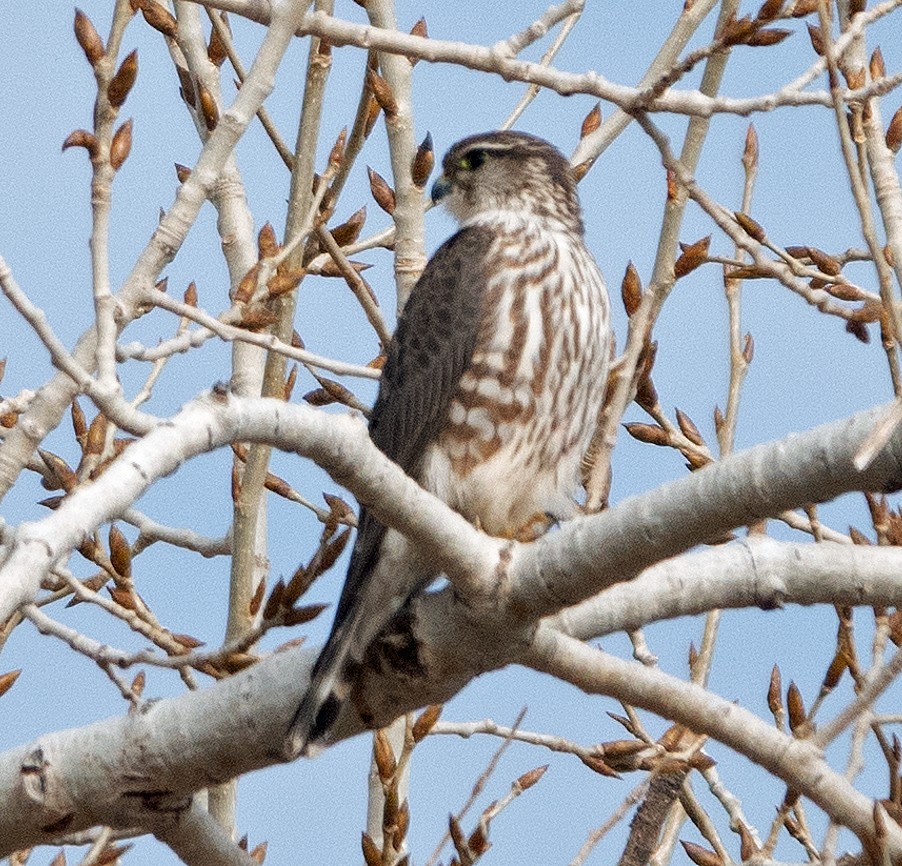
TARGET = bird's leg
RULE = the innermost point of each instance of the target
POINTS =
(534, 527)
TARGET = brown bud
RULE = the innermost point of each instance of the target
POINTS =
(383, 93)
(330, 269)
(530, 777)
(290, 381)
(382, 192)
(747, 846)
(858, 330)
(79, 425)
(123, 597)
(301, 615)
(121, 83)
(687, 426)
(719, 420)
(824, 262)
(749, 272)
(597, 765)
(349, 231)
(121, 145)
(856, 6)
(247, 286)
(774, 691)
(877, 65)
(582, 169)
(751, 227)
(673, 186)
(478, 842)
(186, 85)
(336, 154)
(750, 151)
(419, 29)
(96, 437)
(423, 162)
(258, 855)
(769, 10)
(190, 297)
(748, 348)
(7, 680)
(698, 855)
(650, 433)
(256, 318)
(372, 116)
(895, 627)
(631, 290)
(796, 707)
(64, 476)
(217, 51)
(803, 8)
(88, 38)
(383, 756)
(372, 856)
(693, 255)
(797, 252)
(81, 138)
(285, 281)
(257, 598)
(267, 245)
(425, 722)
(844, 292)
(736, 31)
(857, 536)
(837, 668)
(855, 78)
(208, 107)
(120, 552)
(187, 641)
(591, 121)
(160, 18)
(894, 132)
(770, 36)
(274, 602)
(138, 683)
(318, 397)
(182, 172)
(816, 35)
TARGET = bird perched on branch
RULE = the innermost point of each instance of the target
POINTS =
(491, 390)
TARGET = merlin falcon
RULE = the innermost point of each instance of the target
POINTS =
(491, 390)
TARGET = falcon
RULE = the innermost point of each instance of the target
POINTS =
(491, 390)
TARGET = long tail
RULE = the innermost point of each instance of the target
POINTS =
(329, 688)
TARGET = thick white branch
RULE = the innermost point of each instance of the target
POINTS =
(797, 762)
(754, 572)
(487, 620)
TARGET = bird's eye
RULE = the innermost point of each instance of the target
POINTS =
(472, 160)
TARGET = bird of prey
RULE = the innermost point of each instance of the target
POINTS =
(492, 386)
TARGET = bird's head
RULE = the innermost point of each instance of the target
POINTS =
(510, 172)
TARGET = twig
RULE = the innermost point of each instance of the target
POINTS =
(477, 788)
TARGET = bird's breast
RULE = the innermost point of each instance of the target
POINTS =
(527, 405)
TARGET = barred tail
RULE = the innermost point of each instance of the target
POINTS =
(330, 687)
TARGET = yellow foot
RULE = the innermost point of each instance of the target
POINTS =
(535, 527)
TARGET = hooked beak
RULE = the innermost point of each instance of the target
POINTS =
(440, 189)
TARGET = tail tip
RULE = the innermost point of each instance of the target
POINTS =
(309, 729)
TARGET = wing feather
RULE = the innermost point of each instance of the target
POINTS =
(429, 353)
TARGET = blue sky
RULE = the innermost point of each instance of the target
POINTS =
(806, 370)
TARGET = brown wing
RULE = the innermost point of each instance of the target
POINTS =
(429, 353)
(431, 348)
